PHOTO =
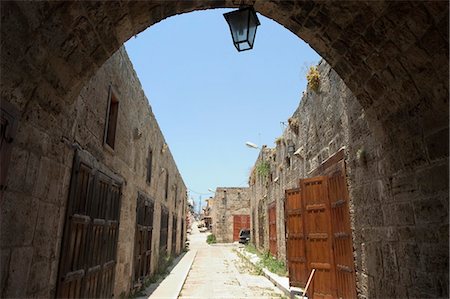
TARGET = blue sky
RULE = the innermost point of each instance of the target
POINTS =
(210, 99)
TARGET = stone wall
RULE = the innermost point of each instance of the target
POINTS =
(316, 131)
(392, 55)
(228, 202)
(34, 204)
(399, 219)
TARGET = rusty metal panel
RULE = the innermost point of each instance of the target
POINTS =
(240, 222)
(88, 251)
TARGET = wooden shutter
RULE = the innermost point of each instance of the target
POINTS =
(143, 238)
(174, 234)
(295, 243)
(342, 233)
(8, 128)
(88, 252)
(319, 252)
(164, 231)
(271, 211)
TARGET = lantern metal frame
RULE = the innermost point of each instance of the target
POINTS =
(251, 13)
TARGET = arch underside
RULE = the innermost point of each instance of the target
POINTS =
(392, 55)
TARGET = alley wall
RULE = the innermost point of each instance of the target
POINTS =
(397, 217)
(317, 130)
(33, 207)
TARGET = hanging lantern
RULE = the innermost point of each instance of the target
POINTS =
(243, 24)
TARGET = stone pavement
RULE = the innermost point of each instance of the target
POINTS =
(216, 272)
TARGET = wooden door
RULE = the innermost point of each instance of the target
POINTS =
(240, 222)
(143, 238)
(295, 238)
(88, 251)
(342, 233)
(319, 252)
(272, 229)
(164, 233)
(174, 234)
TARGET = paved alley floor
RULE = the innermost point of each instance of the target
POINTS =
(218, 272)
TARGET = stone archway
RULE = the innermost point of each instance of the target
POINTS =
(393, 56)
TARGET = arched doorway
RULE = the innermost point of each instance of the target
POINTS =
(393, 56)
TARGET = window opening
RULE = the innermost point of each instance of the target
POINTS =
(149, 166)
(111, 121)
(167, 186)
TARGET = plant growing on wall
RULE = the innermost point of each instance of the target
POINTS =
(263, 169)
(293, 124)
(313, 79)
(279, 140)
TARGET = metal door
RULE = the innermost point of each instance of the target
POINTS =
(240, 222)
(295, 239)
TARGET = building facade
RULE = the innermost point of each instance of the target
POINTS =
(230, 212)
(329, 129)
(97, 201)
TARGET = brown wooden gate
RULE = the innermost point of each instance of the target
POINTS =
(240, 222)
(174, 234)
(163, 235)
(272, 212)
(324, 232)
(341, 229)
(143, 238)
(88, 251)
(319, 252)
(295, 238)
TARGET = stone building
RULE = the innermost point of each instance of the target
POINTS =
(327, 124)
(392, 56)
(230, 212)
(98, 169)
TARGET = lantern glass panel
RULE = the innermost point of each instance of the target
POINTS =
(242, 23)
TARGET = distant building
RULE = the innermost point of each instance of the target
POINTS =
(230, 213)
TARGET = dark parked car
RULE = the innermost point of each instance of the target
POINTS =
(244, 236)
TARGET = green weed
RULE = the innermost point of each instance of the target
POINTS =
(211, 239)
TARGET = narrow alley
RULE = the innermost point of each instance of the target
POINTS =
(217, 272)
(138, 145)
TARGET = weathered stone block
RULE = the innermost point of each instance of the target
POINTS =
(431, 210)
(45, 236)
(437, 144)
(434, 179)
(18, 272)
(38, 277)
(5, 256)
(18, 219)
(398, 214)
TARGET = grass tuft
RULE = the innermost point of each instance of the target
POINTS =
(266, 260)
(211, 239)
